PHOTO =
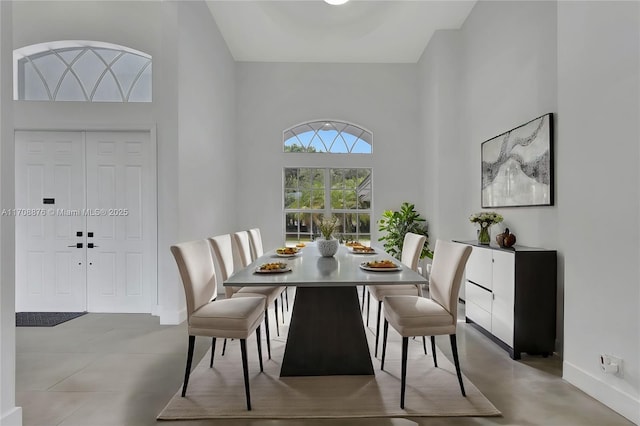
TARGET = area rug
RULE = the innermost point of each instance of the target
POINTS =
(218, 393)
(44, 319)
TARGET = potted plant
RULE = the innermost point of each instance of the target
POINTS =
(327, 244)
(396, 224)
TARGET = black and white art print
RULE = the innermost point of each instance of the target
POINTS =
(517, 166)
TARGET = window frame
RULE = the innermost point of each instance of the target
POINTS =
(327, 209)
(29, 54)
(340, 126)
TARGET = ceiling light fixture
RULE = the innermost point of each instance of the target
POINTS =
(336, 2)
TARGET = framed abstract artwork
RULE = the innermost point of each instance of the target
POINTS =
(517, 166)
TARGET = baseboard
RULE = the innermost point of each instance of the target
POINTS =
(12, 417)
(616, 399)
(171, 317)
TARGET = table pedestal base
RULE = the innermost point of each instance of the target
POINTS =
(326, 335)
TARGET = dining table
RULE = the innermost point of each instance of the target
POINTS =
(326, 332)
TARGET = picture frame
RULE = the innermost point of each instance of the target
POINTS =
(517, 166)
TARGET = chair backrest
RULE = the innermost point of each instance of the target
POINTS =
(256, 243)
(244, 247)
(411, 249)
(222, 248)
(448, 265)
(197, 271)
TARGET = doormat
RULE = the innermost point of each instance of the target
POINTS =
(44, 319)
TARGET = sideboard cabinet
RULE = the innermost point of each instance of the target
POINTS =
(510, 295)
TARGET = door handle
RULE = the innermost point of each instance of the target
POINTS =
(76, 245)
(91, 245)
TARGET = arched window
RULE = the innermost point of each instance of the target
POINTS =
(81, 71)
(330, 136)
(311, 193)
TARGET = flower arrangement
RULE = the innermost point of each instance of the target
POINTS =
(327, 226)
(485, 220)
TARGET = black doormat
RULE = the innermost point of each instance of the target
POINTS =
(44, 319)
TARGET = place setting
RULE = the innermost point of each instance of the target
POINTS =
(381, 266)
(273, 268)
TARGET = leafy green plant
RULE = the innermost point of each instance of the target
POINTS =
(396, 224)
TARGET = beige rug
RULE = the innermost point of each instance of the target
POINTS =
(219, 392)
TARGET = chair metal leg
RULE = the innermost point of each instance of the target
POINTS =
(433, 350)
(213, 351)
(245, 370)
(364, 289)
(378, 327)
(454, 349)
(403, 380)
(275, 310)
(192, 342)
(224, 346)
(424, 344)
(384, 342)
(266, 327)
(259, 338)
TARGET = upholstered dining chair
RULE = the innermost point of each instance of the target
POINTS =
(255, 241)
(411, 249)
(234, 318)
(242, 241)
(437, 315)
(222, 248)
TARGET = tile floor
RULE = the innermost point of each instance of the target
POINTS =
(121, 369)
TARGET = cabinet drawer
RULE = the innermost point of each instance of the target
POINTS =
(479, 296)
(478, 315)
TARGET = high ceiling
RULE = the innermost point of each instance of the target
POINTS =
(312, 31)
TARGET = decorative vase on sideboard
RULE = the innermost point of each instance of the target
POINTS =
(484, 236)
(328, 248)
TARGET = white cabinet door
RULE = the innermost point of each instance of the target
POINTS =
(479, 267)
(502, 313)
(50, 268)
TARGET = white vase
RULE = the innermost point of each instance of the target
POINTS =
(328, 248)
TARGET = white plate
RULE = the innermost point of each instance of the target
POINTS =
(272, 271)
(364, 266)
(287, 255)
(354, 251)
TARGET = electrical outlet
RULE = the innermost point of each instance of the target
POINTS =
(611, 364)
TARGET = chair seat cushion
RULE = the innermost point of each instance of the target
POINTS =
(379, 292)
(417, 316)
(270, 292)
(231, 318)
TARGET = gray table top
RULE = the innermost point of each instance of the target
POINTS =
(309, 269)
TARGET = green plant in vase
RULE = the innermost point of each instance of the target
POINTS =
(327, 245)
(485, 220)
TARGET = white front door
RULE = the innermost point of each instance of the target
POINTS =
(50, 266)
(102, 186)
(121, 229)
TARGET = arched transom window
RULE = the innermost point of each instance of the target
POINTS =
(328, 136)
(81, 71)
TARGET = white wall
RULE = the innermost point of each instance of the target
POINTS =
(273, 97)
(10, 415)
(519, 60)
(445, 160)
(598, 158)
(207, 108)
